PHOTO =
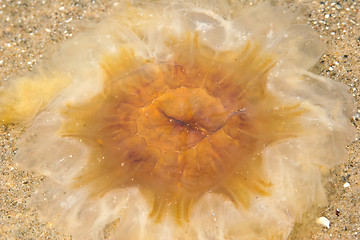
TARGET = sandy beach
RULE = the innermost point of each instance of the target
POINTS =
(29, 30)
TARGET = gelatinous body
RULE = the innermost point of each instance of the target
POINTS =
(178, 129)
(207, 126)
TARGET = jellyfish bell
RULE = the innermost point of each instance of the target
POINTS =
(191, 120)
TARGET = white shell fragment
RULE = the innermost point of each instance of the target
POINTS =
(323, 221)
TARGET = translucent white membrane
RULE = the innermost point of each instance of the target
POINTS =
(293, 166)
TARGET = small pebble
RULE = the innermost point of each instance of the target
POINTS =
(323, 221)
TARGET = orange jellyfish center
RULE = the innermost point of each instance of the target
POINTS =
(182, 128)
(180, 119)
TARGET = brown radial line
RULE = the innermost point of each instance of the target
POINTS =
(204, 172)
(158, 206)
(275, 122)
(177, 202)
(99, 176)
(240, 124)
(177, 76)
(194, 70)
(182, 208)
(238, 195)
(240, 184)
(245, 79)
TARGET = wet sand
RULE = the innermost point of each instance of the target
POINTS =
(29, 30)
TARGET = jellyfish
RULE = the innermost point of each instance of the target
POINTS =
(177, 120)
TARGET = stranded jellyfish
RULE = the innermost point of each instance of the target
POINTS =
(181, 120)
